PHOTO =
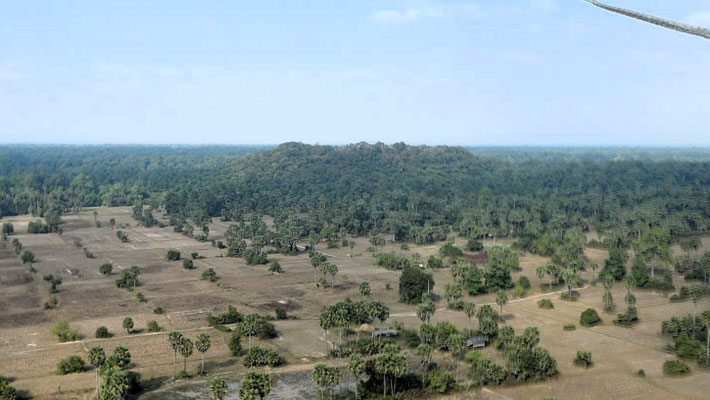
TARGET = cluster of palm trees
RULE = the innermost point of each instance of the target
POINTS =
(186, 347)
(343, 314)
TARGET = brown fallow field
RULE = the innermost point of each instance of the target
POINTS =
(88, 299)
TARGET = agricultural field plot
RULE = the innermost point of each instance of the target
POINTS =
(88, 299)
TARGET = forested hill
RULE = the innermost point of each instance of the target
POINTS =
(415, 193)
(394, 178)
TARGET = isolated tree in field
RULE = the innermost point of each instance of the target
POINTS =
(128, 324)
(696, 293)
(332, 269)
(413, 283)
(186, 348)
(202, 344)
(426, 309)
(218, 388)
(470, 310)
(255, 385)
(97, 358)
(16, 245)
(365, 289)
(8, 228)
(358, 367)
(175, 339)
(501, 300)
(27, 257)
(106, 269)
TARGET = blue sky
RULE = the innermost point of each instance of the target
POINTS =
(508, 72)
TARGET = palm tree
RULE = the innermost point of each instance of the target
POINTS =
(175, 339)
(696, 292)
(185, 349)
(218, 388)
(676, 26)
(202, 344)
(501, 300)
(470, 310)
(97, 358)
(357, 366)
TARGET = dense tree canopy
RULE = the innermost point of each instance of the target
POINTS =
(415, 193)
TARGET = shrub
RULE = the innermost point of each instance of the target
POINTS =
(275, 267)
(404, 246)
(524, 282)
(675, 368)
(172, 255)
(474, 245)
(231, 316)
(153, 326)
(37, 227)
(641, 373)
(589, 317)
(434, 263)
(188, 264)
(390, 261)
(158, 310)
(627, 318)
(106, 269)
(261, 356)
(64, 332)
(440, 382)
(281, 313)
(545, 304)
(569, 327)
(209, 275)
(70, 365)
(569, 297)
(194, 255)
(102, 333)
(583, 359)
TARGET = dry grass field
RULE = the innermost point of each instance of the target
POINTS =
(88, 299)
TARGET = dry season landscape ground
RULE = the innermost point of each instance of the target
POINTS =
(88, 299)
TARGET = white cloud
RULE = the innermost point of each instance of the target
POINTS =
(700, 18)
(410, 15)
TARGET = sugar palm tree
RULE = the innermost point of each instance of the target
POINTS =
(175, 339)
(218, 388)
(97, 358)
(203, 344)
(186, 348)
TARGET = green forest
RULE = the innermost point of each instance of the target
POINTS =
(411, 193)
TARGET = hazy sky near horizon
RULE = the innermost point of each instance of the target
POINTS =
(510, 72)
